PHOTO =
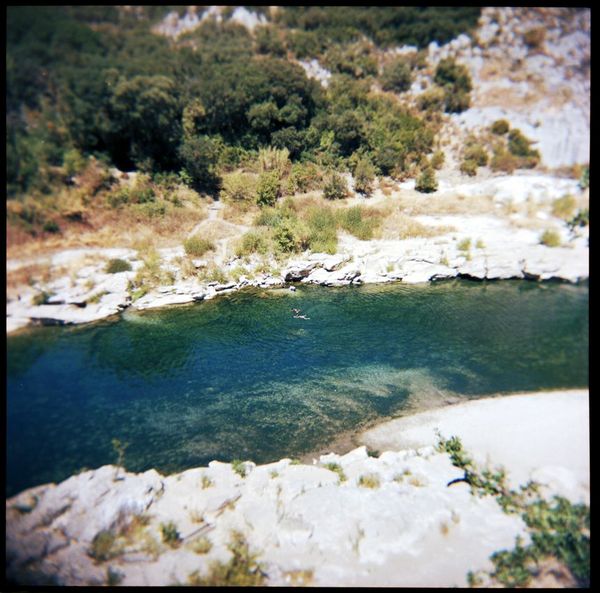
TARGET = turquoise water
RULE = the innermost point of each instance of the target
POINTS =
(239, 377)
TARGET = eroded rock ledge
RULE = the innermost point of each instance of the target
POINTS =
(346, 520)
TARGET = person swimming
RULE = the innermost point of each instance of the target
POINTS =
(297, 314)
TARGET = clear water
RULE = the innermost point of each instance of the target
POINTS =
(239, 377)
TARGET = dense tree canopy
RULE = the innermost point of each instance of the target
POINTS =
(95, 80)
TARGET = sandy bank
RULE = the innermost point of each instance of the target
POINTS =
(542, 436)
(374, 521)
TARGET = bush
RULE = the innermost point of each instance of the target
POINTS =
(449, 73)
(396, 76)
(500, 127)
(285, 237)
(268, 189)
(304, 177)
(534, 37)
(335, 187)
(119, 197)
(364, 176)
(457, 101)
(322, 230)
(503, 161)
(468, 167)
(476, 153)
(50, 226)
(432, 99)
(104, 546)
(427, 183)
(238, 187)
(564, 207)
(196, 246)
(252, 242)
(550, 238)
(581, 219)
(114, 266)
(73, 162)
(169, 533)
(437, 159)
(519, 145)
(359, 222)
(584, 181)
(274, 159)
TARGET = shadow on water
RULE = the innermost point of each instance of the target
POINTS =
(240, 377)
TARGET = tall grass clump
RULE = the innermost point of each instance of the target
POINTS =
(564, 207)
(335, 187)
(550, 238)
(196, 246)
(114, 266)
(322, 227)
(252, 242)
(359, 221)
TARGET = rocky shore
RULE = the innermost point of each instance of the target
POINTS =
(478, 246)
(353, 519)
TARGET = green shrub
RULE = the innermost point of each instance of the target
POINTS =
(581, 219)
(118, 197)
(464, 245)
(114, 266)
(448, 72)
(104, 546)
(469, 168)
(242, 570)
(364, 176)
(41, 298)
(268, 189)
(369, 481)
(477, 153)
(338, 469)
(304, 177)
(170, 535)
(437, 159)
(550, 238)
(239, 467)
(519, 145)
(504, 161)
(335, 187)
(252, 242)
(396, 76)
(322, 230)
(238, 187)
(73, 162)
(432, 99)
(50, 226)
(500, 127)
(358, 222)
(274, 159)
(584, 182)
(196, 246)
(284, 237)
(563, 207)
(426, 183)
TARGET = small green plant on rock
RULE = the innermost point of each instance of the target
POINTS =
(242, 570)
(337, 468)
(202, 545)
(114, 266)
(104, 546)
(239, 467)
(119, 449)
(369, 481)
(550, 238)
(427, 183)
(170, 535)
(464, 245)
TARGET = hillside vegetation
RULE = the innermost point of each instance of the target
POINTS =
(91, 89)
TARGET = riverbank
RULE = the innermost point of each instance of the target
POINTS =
(345, 520)
(499, 238)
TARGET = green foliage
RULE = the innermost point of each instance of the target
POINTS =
(464, 245)
(581, 219)
(396, 76)
(584, 181)
(202, 545)
(170, 535)
(239, 467)
(304, 177)
(200, 155)
(519, 145)
(238, 187)
(268, 189)
(104, 546)
(550, 238)
(500, 127)
(41, 298)
(322, 230)
(354, 59)
(335, 187)
(456, 81)
(284, 237)
(385, 25)
(252, 242)
(437, 159)
(337, 468)
(113, 577)
(114, 266)
(73, 162)
(477, 153)
(359, 221)
(559, 529)
(51, 226)
(364, 176)
(469, 168)
(432, 99)
(427, 182)
(196, 246)
(369, 481)
(563, 207)
(242, 570)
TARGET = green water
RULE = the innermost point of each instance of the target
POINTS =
(239, 377)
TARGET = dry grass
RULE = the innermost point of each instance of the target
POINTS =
(412, 203)
(400, 226)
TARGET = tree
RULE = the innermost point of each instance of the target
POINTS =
(427, 183)
(364, 176)
(200, 155)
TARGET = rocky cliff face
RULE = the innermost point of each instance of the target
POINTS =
(530, 66)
